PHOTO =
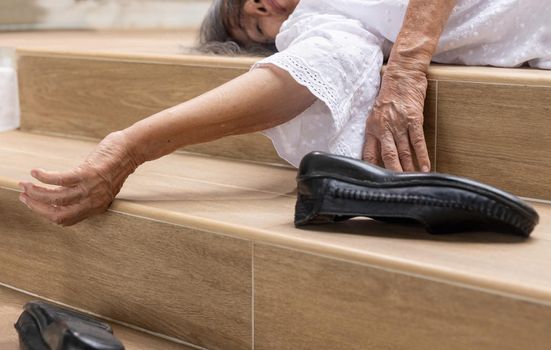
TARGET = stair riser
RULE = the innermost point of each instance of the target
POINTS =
(304, 301)
(188, 284)
(497, 133)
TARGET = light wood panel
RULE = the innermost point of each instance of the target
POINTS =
(304, 301)
(498, 134)
(83, 97)
(11, 306)
(192, 285)
(90, 98)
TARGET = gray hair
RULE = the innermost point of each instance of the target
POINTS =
(214, 37)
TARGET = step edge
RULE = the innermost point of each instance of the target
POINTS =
(173, 59)
(381, 261)
(492, 75)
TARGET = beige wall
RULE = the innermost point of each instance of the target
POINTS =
(90, 14)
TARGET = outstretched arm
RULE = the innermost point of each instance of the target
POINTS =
(395, 127)
(258, 100)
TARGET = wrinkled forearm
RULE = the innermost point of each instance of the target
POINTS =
(257, 100)
(421, 30)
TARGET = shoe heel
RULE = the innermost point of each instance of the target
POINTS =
(304, 210)
(311, 193)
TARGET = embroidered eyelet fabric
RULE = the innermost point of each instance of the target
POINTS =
(336, 50)
(339, 62)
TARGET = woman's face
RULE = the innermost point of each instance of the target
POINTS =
(259, 21)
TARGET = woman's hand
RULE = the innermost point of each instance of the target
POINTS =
(86, 190)
(395, 127)
(394, 133)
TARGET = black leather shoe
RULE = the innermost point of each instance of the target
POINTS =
(44, 326)
(334, 188)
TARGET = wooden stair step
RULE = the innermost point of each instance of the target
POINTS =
(11, 306)
(204, 250)
(480, 122)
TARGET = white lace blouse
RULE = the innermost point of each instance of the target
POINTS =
(336, 49)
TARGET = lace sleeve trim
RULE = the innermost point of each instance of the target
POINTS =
(339, 106)
(312, 79)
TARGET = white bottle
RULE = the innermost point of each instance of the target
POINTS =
(9, 95)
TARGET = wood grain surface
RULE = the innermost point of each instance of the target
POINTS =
(11, 306)
(191, 285)
(304, 301)
(256, 202)
(90, 98)
(498, 134)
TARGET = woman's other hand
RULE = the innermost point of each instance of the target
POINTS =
(84, 191)
(394, 131)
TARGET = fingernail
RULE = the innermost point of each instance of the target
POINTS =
(425, 169)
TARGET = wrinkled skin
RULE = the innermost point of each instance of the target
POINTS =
(394, 130)
(86, 190)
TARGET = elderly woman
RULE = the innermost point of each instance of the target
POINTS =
(317, 91)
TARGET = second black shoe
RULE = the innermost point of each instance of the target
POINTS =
(44, 326)
(335, 188)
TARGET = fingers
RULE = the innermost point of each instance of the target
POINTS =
(61, 196)
(67, 178)
(389, 153)
(65, 216)
(404, 153)
(417, 139)
(371, 153)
